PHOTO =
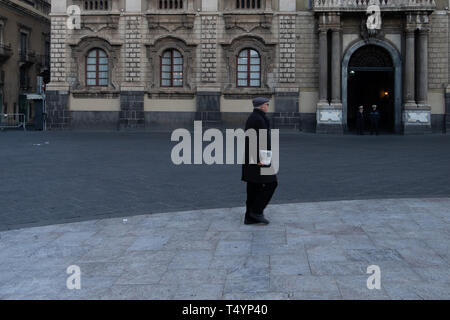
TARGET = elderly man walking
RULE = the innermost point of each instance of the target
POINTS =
(260, 188)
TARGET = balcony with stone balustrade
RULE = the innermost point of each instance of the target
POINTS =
(362, 5)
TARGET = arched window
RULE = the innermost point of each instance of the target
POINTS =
(172, 69)
(97, 68)
(249, 68)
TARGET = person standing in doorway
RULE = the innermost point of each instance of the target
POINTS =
(260, 188)
(374, 117)
(360, 120)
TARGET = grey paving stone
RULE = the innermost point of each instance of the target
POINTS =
(228, 262)
(355, 287)
(304, 283)
(193, 259)
(193, 277)
(150, 243)
(373, 256)
(325, 268)
(248, 284)
(142, 272)
(256, 296)
(140, 292)
(231, 235)
(418, 257)
(315, 295)
(355, 241)
(231, 247)
(202, 291)
(259, 261)
(312, 251)
(289, 264)
(326, 253)
(430, 290)
(264, 237)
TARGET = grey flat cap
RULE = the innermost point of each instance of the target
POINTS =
(259, 101)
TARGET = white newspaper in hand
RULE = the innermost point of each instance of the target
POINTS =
(265, 157)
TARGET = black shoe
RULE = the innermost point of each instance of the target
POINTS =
(253, 218)
(250, 221)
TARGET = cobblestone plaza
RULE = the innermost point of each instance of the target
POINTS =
(139, 227)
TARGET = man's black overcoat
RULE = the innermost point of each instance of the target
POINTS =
(252, 172)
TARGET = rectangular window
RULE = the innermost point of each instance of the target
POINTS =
(23, 44)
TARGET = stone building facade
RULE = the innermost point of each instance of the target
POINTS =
(165, 63)
(24, 52)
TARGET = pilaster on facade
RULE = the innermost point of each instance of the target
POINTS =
(209, 48)
(133, 50)
(58, 51)
(287, 47)
(329, 115)
(416, 109)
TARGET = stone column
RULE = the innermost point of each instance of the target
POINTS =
(416, 115)
(409, 81)
(323, 66)
(422, 69)
(336, 52)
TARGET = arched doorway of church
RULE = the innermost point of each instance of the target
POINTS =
(371, 81)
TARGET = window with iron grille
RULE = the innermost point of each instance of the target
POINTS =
(170, 4)
(96, 5)
(248, 68)
(171, 68)
(97, 68)
(248, 4)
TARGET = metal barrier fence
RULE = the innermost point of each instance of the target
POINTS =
(12, 120)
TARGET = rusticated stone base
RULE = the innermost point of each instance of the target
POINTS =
(57, 111)
(131, 114)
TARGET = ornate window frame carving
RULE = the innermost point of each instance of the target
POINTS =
(267, 56)
(79, 54)
(154, 54)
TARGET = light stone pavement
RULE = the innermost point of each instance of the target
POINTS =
(317, 250)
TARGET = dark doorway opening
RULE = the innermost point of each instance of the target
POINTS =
(371, 80)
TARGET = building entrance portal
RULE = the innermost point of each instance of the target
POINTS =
(372, 75)
(369, 87)
(371, 81)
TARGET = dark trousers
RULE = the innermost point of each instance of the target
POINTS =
(259, 195)
(360, 127)
(374, 127)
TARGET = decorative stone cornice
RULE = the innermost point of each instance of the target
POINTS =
(248, 21)
(96, 23)
(170, 22)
